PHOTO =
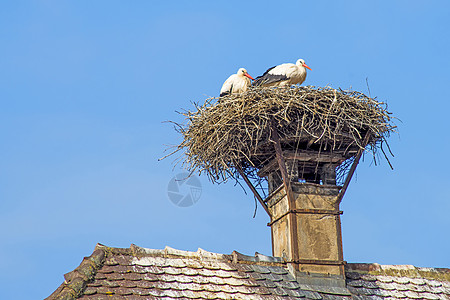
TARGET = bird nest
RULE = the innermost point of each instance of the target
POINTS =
(236, 131)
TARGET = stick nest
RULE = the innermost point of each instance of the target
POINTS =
(223, 133)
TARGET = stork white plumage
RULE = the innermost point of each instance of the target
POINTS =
(236, 83)
(283, 75)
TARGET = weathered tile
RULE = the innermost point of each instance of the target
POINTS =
(384, 279)
(127, 284)
(156, 293)
(90, 291)
(413, 295)
(244, 268)
(402, 280)
(140, 291)
(145, 284)
(417, 281)
(287, 284)
(176, 263)
(137, 297)
(150, 277)
(370, 285)
(189, 271)
(100, 276)
(267, 283)
(295, 293)
(368, 277)
(132, 276)
(240, 275)
(123, 291)
(430, 296)
(279, 291)
(434, 283)
(261, 269)
(114, 276)
(312, 295)
(109, 283)
(271, 277)
(192, 286)
(279, 270)
(101, 297)
(244, 282)
(356, 283)
(353, 275)
(172, 271)
(387, 286)
(105, 290)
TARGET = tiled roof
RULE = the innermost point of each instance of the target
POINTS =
(139, 273)
(373, 281)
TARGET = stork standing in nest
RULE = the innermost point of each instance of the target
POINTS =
(283, 75)
(236, 83)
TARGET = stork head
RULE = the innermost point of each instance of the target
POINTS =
(302, 63)
(243, 72)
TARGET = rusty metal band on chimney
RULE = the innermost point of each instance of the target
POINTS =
(318, 262)
(307, 211)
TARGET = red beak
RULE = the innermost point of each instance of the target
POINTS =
(246, 74)
(306, 66)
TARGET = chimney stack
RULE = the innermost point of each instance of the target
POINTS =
(306, 227)
(305, 216)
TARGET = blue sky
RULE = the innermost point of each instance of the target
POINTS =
(86, 85)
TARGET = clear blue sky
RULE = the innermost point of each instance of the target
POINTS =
(85, 86)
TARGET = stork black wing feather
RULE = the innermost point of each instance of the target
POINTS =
(227, 92)
(267, 78)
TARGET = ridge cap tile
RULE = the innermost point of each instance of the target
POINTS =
(76, 281)
(397, 267)
(266, 258)
(211, 255)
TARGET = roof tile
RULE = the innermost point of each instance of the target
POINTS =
(114, 276)
(384, 279)
(240, 275)
(413, 295)
(145, 284)
(402, 280)
(101, 297)
(261, 269)
(356, 283)
(430, 296)
(368, 277)
(90, 291)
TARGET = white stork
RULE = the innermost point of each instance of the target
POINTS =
(283, 75)
(236, 83)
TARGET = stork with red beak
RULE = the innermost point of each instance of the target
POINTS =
(283, 75)
(236, 83)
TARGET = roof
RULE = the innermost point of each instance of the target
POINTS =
(140, 273)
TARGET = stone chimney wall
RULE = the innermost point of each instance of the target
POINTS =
(307, 230)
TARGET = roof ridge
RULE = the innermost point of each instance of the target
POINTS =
(172, 252)
(202, 254)
(75, 281)
(258, 258)
(400, 271)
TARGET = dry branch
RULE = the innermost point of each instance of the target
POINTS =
(234, 130)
